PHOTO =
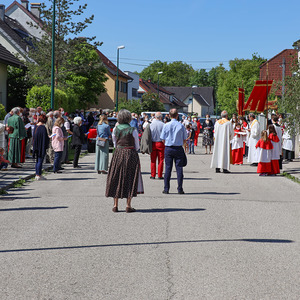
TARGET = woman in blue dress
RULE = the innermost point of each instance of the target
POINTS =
(102, 153)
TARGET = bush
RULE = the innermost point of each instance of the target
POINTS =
(2, 112)
(41, 96)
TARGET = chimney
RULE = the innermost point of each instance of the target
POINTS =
(2, 11)
(25, 3)
(36, 9)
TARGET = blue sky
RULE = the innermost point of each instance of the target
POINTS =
(202, 33)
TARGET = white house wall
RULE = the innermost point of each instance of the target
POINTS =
(16, 13)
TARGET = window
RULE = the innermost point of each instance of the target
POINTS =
(123, 87)
(134, 93)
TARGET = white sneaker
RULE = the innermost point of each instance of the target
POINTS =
(40, 178)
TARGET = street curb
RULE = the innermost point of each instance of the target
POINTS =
(28, 177)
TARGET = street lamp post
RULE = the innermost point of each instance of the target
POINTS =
(117, 83)
(53, 56)
(159, 73)
(194, 86)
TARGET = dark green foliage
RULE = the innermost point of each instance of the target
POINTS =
(18, 84)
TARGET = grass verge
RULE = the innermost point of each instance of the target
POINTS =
(291, 177)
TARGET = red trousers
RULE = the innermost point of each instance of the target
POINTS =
(158, 151)
(196, 138)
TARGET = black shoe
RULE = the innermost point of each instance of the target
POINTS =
(77, 167)
(218, 170)
(61, 168)
(226, 171)
(152, 177)
(57, 172)
(254, 165)
(165, 192)
(160, 178)
(180, 192)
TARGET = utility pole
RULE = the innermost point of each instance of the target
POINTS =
(283, 77)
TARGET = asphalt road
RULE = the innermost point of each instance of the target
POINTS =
(231, 236)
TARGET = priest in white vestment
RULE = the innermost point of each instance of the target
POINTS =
(253, 139)
(223, 135)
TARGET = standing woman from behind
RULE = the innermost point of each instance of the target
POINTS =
(124, 178)
(58, 140)
(102, 153)
(40, 145)
(208, 134)
(78, 140)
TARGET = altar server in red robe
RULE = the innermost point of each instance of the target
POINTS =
(275, 152)
(237, 146)
(264, 147)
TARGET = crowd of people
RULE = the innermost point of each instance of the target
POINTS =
(44, 136)
(48, 135)
(264, 149)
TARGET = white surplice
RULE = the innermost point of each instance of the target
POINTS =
(223, 135)
(253, 139)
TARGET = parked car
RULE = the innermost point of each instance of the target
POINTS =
(92, 135)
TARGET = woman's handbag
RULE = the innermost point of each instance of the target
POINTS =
(101, 142)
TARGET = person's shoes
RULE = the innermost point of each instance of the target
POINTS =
(226, 171)
(130, 209)
(61, 168)
(16, 166)
(190, 152)
(194, 153)
(165, 192)
(218, 170)
(151, 177)
(160, 178)
(99, 172)
(40, 178)
(57, 172)
(181, 192)
(115, 209)
(104, 172)
(68, 163)
(254, 165)
(4, 169)
(77, 167)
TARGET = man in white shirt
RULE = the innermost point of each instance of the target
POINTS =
(158, 147)
(223, 135)
(253, 139)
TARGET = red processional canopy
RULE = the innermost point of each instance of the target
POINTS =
(258, 97)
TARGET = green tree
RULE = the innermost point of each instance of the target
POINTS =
(77, 64)
(131, 105)
(18, 84)
(242, 72)
(200, 78)
(174, 74)
(290, 103)
(151, 102)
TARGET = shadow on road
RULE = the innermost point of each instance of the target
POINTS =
(5, 198)
(267, 241)
(211, 193)
(32, 208)
(70, 179)
(159, 210)
(192, 178)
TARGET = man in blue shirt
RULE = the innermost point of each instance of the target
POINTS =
(174, 135)
(134, 122)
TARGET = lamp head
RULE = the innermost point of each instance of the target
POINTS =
(121, 47)
(159, 72)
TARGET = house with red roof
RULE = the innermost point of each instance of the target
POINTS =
(279, 67)
(167, 98)
(108, 99)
